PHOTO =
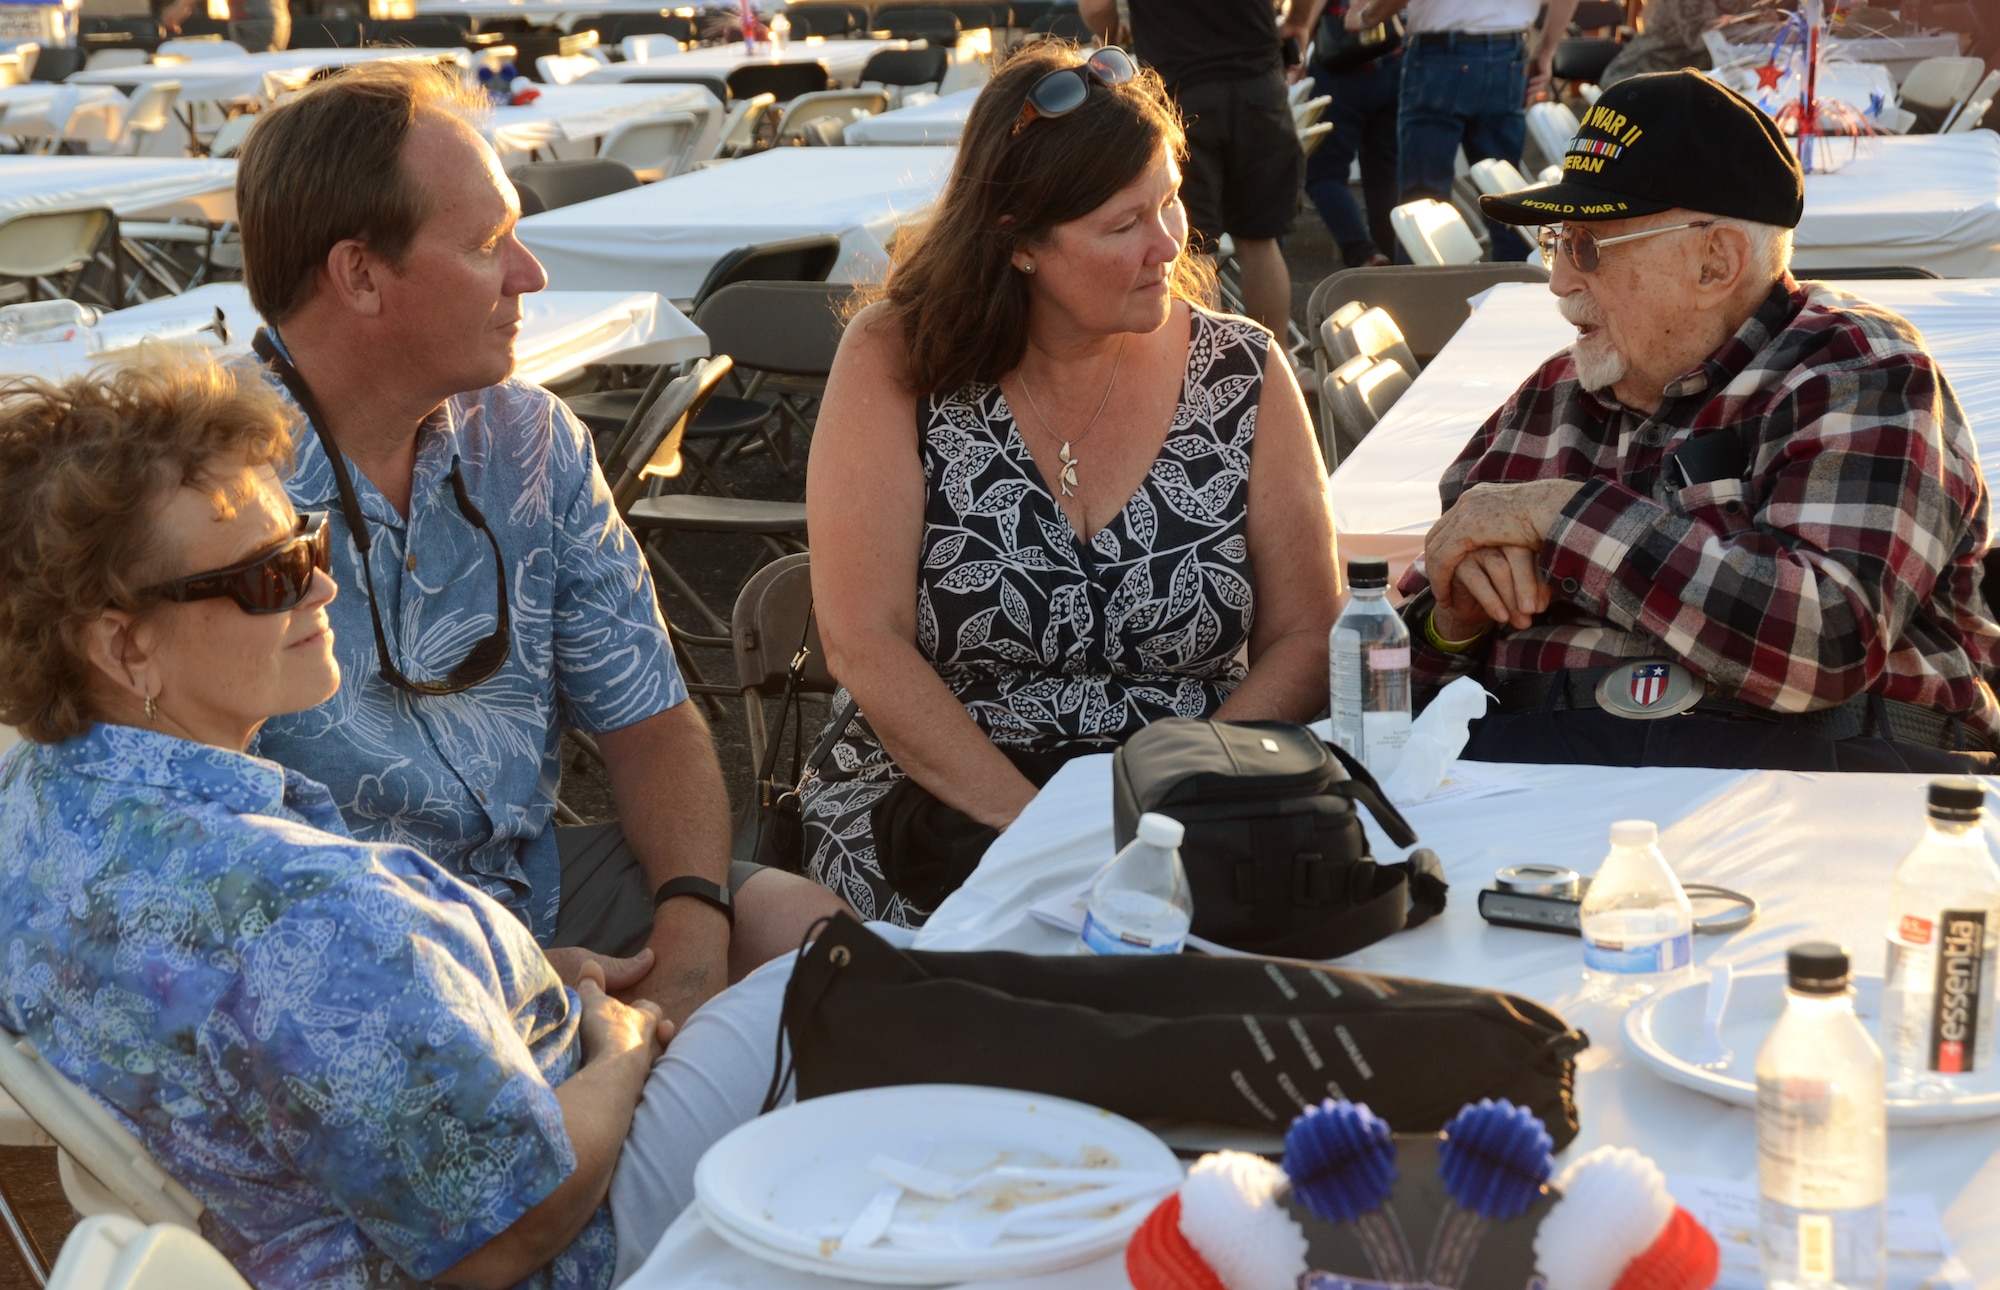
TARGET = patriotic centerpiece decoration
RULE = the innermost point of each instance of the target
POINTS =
(1827, 129)
(1224, 1230)
(1341, 1158)
(1494, 1161)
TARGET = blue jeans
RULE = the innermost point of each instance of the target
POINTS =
(1363, 116)
(1472, 94)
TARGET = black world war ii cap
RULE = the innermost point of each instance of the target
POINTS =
(1668, 139)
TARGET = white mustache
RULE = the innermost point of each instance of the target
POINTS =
(1581, 311)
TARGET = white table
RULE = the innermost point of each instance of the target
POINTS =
(560, 331)
(664, 237)
(844, 59)
(1388, 485)
(24, 112)
(1929, 200)
(1816, 850)
(577, 113)
(252, 78)
(158, 186)
(938, 122)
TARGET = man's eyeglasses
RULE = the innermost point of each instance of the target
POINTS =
(486, 658)
(1583, 246)
(269, 583)
(1064, 90)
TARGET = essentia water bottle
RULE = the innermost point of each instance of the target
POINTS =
(1937, 994)
(1370, 667)
(1141, 905)
(1638, 927)
(1822, 1134)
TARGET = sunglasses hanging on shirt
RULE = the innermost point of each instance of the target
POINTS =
(487, 657)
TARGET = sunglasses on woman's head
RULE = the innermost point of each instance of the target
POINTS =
(1064, 90)
(1582, 246)
(269, 583)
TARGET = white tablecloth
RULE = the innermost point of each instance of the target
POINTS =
(1816, 850)
(561, 331)
(663, 237)
(128, 185)
(252, 78)
(572, 113)
(24, 112)
(537, 12)
(1389, 483)
(844, 59)
(938, 122)
(1928, 200)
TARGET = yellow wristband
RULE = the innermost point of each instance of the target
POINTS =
(1450, 647)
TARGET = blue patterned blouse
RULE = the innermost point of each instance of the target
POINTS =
(470, 779)
(345, 1053)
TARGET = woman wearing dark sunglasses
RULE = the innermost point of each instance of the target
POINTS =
(1053, 495)
(363, 1068)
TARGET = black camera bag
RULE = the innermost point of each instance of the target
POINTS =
(1276, 857)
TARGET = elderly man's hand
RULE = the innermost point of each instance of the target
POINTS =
(1494, 515)
(1493, 584)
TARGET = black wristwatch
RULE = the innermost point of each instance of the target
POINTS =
(708, 893)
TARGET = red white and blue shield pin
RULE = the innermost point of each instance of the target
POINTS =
(1648, 688)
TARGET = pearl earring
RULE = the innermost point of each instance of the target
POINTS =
(1028, 267)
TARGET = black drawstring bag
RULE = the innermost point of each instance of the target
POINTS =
(1276, 859)
(1244, 1042)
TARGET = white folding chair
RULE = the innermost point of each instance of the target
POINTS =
(64, 103)
(1550, 128)
(1300, 91)
(740, 127)
(112, 1252)
(1364, 389)
(1372, 333)
(198, 51)
(104, 58)
(149, 112)
(1496, 176)
(1974, 107)
(42, 246)
(656, 147)
(1304, 114)
(229, 139)
(1550, 175)
(1940, 84)
(13, 71)
(644, 49)
(562, 69)
(1433, 232)
(842, 107)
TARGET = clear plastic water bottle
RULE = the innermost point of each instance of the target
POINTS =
(1944, 928)
(1141, 905)
(1370, 666)
(44, 320)
(781, 33)
(1638, 927)
(1822, 1135)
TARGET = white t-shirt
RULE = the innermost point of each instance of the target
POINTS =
(1471, 15)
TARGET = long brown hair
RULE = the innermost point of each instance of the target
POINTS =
(952, 286)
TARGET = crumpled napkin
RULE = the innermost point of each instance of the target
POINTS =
(1436, 739)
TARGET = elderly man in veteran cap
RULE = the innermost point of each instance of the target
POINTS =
(1740, 502)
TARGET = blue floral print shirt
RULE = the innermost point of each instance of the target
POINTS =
(470, 779)
(345, 1053)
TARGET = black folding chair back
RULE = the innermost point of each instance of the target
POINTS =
(1065, 24)
(798, 259)
(784, 81)
(531, 201)
(201, 24)
(833, 20)
(58, 64)
(788, 328)
(907, 67)
(327, 33)
(1584, 58)
(938, 26)
(713, 84)
(1029, 12)
(1592, 15)
(419, 33)
(565, 183)
(652, 24)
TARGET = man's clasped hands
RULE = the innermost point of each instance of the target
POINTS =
(1480, 556)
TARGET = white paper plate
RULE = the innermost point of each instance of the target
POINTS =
(773, 1187)
(1663, 1030)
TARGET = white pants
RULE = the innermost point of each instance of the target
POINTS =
(713, 1077)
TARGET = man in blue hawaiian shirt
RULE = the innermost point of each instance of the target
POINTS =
(495, 594)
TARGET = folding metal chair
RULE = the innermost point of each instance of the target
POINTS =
(656, 147)
(48, 251)
(771, 613)
(112, 1252)
(783, 81)
(565, 183)
(1433, 232)
(842, 107)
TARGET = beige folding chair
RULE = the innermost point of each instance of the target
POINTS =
(1433, 232)
(112, 1252)
(644, 49)
(1304, 114)
(43, 247)
(1496, 176)
(771, 612)
(1969, 113)
(1313, 135)
(656, 147)
(103, 58)
(562, 69)
(230, 138)
(1371, 333)
(743, 127)
(843, 107)
(1364, 389)
(1550, 128)
(150, 111)
(1428, 303)
(197, 50)
(1938, 85)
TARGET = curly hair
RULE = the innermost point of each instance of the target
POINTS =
(952, 287)
(85, 466)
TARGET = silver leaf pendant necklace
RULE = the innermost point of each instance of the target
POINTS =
(1067, 461)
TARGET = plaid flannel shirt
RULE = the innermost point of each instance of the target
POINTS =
(1846, 562)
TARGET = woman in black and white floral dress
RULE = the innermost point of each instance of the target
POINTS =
(1052, 497)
